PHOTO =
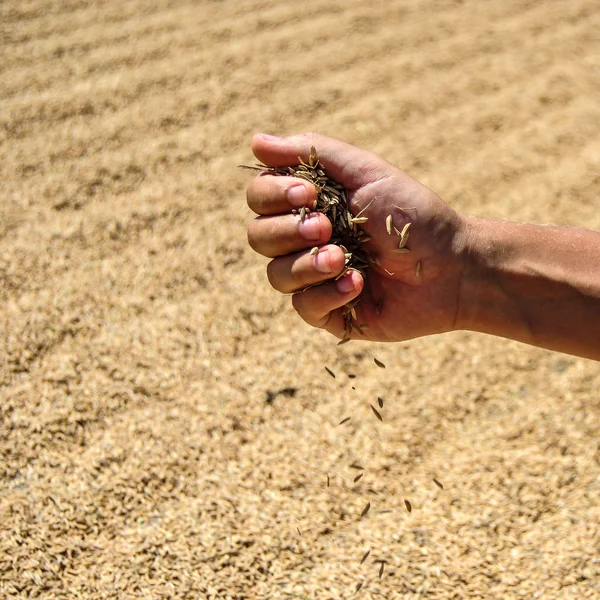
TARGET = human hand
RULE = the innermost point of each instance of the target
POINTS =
(405, 295)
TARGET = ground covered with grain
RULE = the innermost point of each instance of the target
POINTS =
(167, 425)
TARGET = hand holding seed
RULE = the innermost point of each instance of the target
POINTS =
(408, 242)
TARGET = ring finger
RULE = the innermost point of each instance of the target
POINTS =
(294, 272)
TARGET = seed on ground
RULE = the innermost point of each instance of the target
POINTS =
(378, 363)
(365, 556)
(358, 477)
(330, 372)
(358, 586)
(438, 483)
(408, 506)
(380, 402)
(365, 510)
(344, 420)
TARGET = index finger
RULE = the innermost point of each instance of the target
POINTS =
(274, 194)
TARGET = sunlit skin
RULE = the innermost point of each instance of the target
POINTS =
(531, 283)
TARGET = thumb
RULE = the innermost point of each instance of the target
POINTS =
(348, 165)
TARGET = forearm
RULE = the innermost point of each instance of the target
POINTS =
(535, 284)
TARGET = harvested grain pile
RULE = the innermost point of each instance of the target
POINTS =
(167, 427)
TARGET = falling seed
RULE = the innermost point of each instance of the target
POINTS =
(314, 251)
(365, 510)
(438, 483)
(358, 586)
(388, 224)
(344, 341)
(330, 372)
(327, 479)
(365, 556)
(298, 528)
(377, 362)
(380, 402)
(358, 477)
(408, 506)
(381, 569)
(377, 414)
(344, 420)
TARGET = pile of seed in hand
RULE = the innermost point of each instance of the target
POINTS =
(332, 201)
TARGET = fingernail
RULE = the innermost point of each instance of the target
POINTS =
(297, 195)
(310, 228)
(345, 284)
(269, 138)
(322, 262)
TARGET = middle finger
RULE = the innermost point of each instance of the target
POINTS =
(283, 234)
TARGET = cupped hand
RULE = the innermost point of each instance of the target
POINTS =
(405, 294)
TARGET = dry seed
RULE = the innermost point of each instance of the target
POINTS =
(358, 586)
(365, 510)
(418, 270)
(344, 420)
(351, 376)
(408, 506)
(381, 569)
(298, 528)
(438, 483)
(376, 413)
(378, 363)
(388, 224)
(358, 477)
(314, 251)
(365, 556)
(380, 402)
(330, 372)
(359, 220)
(327, 479)
(344, 341)
(357, 466)
(401, 250)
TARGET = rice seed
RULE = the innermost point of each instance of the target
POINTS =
(359, 220)
(388, 224)
(418, 270)
(408, 506)
(365, 510)
(404, 235)
(378, 363)
(302, 213)
(381, 567)
(367, 206)
(376, 413)
(365, 556)
(358, 477)
(327, 479)
(314, 251)
(358, 586)
(380, 402)
(330, 372)
(438, 483)
(401, 250)
(344, 420)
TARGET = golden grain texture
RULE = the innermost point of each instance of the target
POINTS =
(166, 424)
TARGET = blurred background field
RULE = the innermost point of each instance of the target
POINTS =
(166, 421)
